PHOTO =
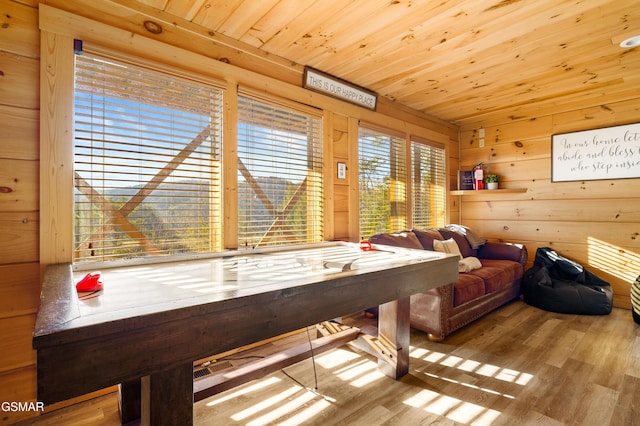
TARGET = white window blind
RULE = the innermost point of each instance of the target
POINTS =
(428, 185)
(147, 162)
(280, 188)
(382, 182)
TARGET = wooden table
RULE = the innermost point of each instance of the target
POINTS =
(153, 320)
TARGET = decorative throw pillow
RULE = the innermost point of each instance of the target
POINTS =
(447, 246)
(468, 264)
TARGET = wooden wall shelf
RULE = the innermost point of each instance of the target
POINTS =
(488, 191)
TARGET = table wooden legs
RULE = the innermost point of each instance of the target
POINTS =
(129, 400)
(163, 398)
(167, 397)
(391, 347)
(394, 332)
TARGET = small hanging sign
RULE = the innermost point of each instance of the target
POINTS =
(338, 88)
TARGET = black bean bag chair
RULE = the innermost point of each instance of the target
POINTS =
(557, 284)
(635, 300)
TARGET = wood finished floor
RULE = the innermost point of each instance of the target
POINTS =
(516, 366)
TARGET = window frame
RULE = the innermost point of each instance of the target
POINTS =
(112, 114)
(405, 208)
(441, 203)
(398, 188)
(314, 178)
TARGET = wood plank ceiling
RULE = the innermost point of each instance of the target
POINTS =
(464, 61)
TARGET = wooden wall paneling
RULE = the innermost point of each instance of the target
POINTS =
(340, 136)
(341, 225)
(524, 149)
(19, 232)
(353, 178)
(18, 385)
(19, 289)
(605, 115)
(19, 183)
(598, 189)
(340, 142)
(522, 130)
(56, 149)
(19, 77)
(529, 169)
(19, 136)
(508, 206)
(330, 180)
(561, 230)
(341, 198)
(453, 165)
(18, 29)
(19, 205)
(15, 342)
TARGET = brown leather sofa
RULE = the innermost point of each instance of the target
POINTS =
(443, 310)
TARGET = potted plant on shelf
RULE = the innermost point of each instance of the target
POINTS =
(492, 181)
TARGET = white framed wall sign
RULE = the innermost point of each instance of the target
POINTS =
(605, 153)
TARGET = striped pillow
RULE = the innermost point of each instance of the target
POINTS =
(447, 246)
(635, 299)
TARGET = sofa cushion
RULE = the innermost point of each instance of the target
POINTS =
(399, 239)
(498, 274)
(461, 240)
(468, 287)
(426, 237)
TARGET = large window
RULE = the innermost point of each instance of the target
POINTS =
(428, 185)
(279, 174)
(147, 162)
(382, 182)
(383, 177)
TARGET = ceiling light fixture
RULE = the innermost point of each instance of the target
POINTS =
(631, 42)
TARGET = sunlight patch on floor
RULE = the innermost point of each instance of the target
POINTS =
(452, 408)
(265, 404)
(309, 413)
(356, 369)
(471, 366)
(469, 385)
(336, 358)
(297, 404)
(238, 392)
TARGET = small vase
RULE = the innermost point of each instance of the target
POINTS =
(492, 185)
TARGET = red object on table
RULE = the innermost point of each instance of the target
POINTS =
(90, 282)
(365, 245)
